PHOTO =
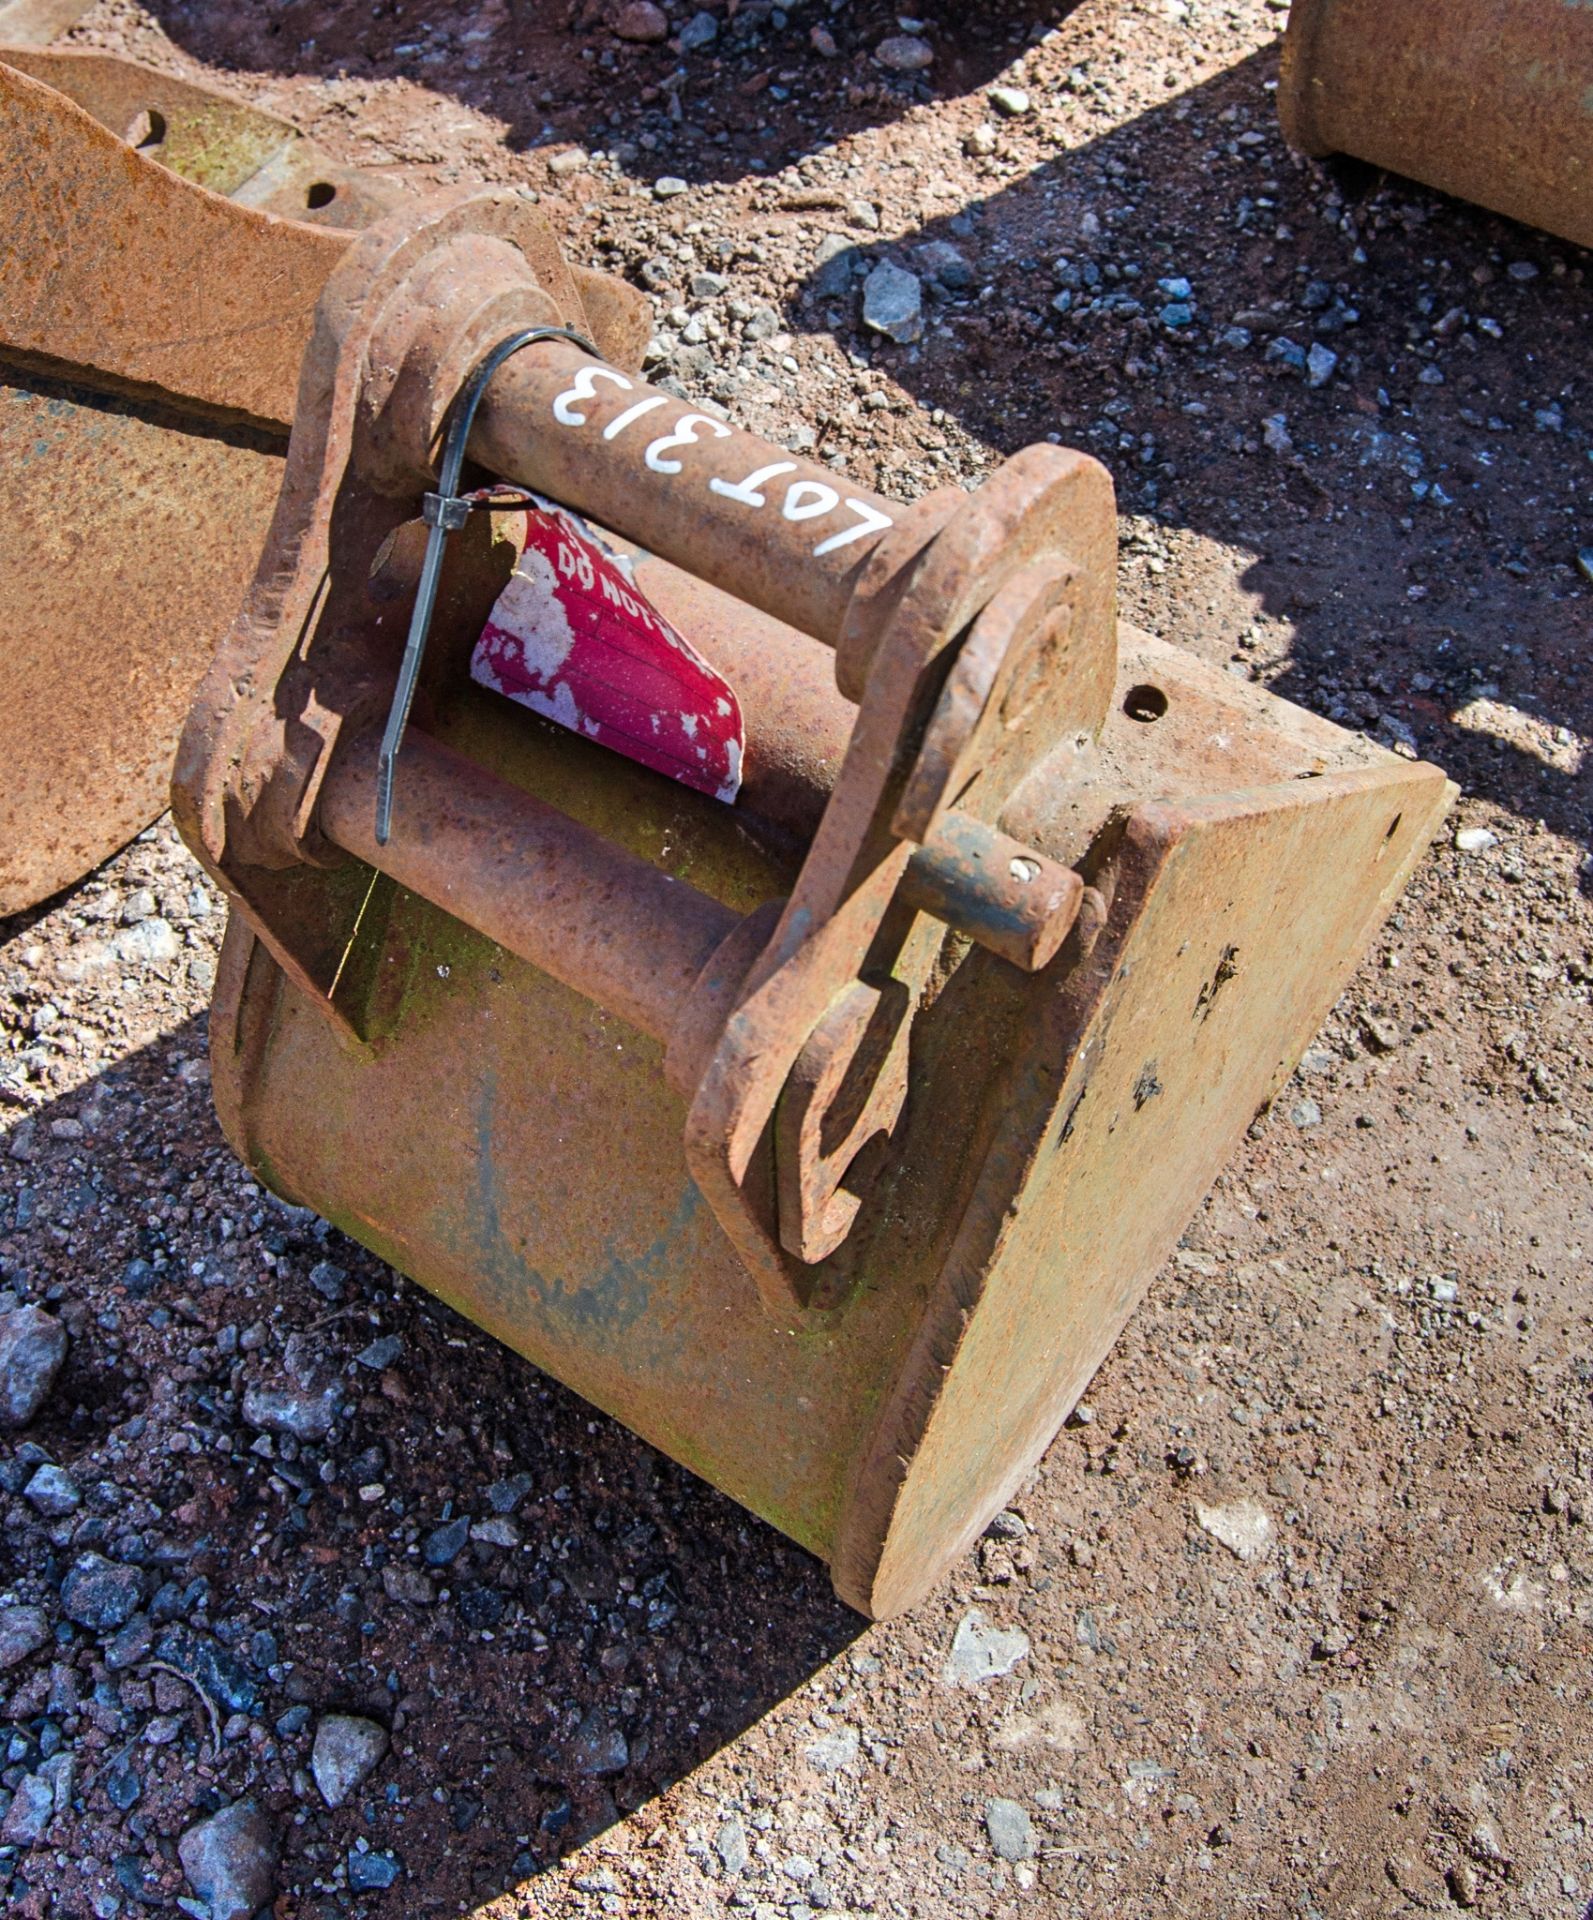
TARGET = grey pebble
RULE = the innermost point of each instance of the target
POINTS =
(327, 1278)
(23, 1630)
(1381, 1035)
(372, 1872)
(1305, 1113)
(893, 303)
(1010, 1829)
(131, 1644)
(291, 1411)
(53, 1492)
(730, 1843)
(834, 264)
(904, 53)
(100, 1595)
(408, 1585)
(443, 1543)
(1319, 365)
(31, 1810)
(832, 1752)
(347, 1750)
(1475, 840)
(981, 1652)
(599, 1746)
(32, 1349)
(700, 31)
(496, 1532)
(503, 1496)
(380, 1353)
(231, 1860)
(151, 943)
(946, 264)
(123, 1788)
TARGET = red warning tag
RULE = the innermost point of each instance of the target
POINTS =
(574, 639)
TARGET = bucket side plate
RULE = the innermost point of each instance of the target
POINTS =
(130, 536)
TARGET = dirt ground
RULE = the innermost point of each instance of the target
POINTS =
(1296, 1616)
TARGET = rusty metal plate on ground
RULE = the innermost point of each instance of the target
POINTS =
(130, 536)
(117, 267)
(150, 339)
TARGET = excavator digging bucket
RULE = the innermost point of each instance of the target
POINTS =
(810, 1044)
(150, 343)
(147, 379)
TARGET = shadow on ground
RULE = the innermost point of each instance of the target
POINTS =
(628, 1620)
(554, 74)
(1416, 520)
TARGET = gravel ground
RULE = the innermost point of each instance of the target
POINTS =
(309, 1593)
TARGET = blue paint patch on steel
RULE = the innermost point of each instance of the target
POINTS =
(614, 1299)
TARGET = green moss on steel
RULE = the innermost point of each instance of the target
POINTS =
(679, 831)
(221, 148)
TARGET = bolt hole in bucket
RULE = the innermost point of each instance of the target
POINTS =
(1145, 703)
(321, 193)
(147, 128)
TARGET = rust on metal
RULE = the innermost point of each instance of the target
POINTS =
(788, 536)
(416, 306)
(226, 145)
(541, 885)
(1008, 897)
(1491, 100)
(151, 336)
(812, 1136)
(112, 593)
(118, 269)
(517, 1147)
(113, 588)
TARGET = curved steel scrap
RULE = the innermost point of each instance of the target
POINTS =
(151, 334)
(150, 340)
(227, 145)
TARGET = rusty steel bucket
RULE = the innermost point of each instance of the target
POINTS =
(826, 1138)
(823, 1124)
(1491, 100)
